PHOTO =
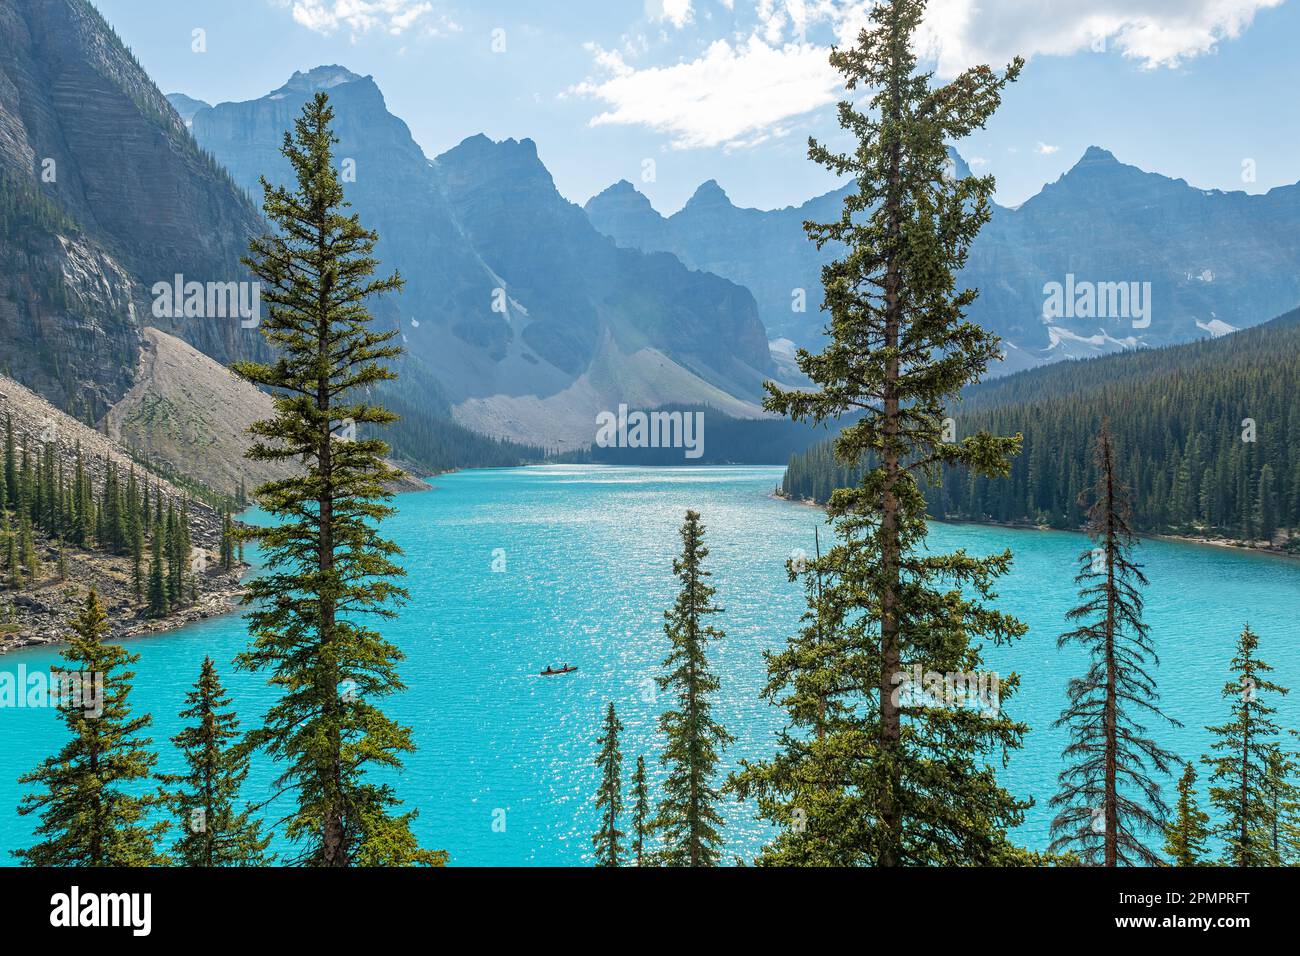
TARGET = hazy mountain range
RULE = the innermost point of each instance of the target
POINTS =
(1215, 261)
(529, 318)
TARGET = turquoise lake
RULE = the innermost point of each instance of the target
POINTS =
(587, 573)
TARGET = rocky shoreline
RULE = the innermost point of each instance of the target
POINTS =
(43, 616)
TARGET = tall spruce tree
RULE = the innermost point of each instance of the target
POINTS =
(83, 521)
(687, 818)
(1283, 804)
(215, 830)
(1239, 764)
(90, 809)
(10, 462)
(13, 562)
(640, 812)
(159, 602)
(137, 566)
(1109, 798)
(1288, 807)
(865, 790)
(327, 570)
(1187, 832)
(227, 550)
(27, 549)
(608, 840)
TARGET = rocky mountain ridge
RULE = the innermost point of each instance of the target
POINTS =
(1162, 261)
(528, 318)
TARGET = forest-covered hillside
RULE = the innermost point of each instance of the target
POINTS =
(1209, 435)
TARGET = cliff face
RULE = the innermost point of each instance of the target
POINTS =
(525, 315)
(110, 195)
(68, 323)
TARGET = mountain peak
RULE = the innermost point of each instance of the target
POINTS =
(622, 192)
(622, 195)
(1095, 155)
(480, 156)
(319, 78)
(961, 169)
(709, 193)
(521, 153)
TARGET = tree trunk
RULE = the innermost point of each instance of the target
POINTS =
(890, 719)
(1244, 853)
(334, 851)
(693, 814)
(1110, 801)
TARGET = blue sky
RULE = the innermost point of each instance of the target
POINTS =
(670, 93)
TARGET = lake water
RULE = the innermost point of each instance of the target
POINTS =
(587, 556)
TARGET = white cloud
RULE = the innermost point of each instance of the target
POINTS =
(1043, 149)
(359, 16)
(739, 92)
(732, 96)
(677, 12)
(1158, 33)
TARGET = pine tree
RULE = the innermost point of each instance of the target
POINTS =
(1283, 803)
(13, 566)
(1287, 807)
(176, 568)
(10, 462)
(1239, 765)
(27, 549)
(90, 812)
(24, 496)
(132, 524)
(608, 840)
(83, 522)
(687, 816)
(899, 350)
(137, 565)
(227, 542)
(185, 554)
(326, 567)
(1109, 797)
(215, 832)
(1266, 505)
(159, 604)
(640, 812)
(1187, 832)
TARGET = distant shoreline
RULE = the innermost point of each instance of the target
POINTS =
(1225, 543)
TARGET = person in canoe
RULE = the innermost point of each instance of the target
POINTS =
(563, 669)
